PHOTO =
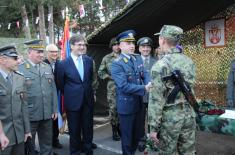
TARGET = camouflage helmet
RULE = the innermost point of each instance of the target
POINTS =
(112, 42)
(171, 32)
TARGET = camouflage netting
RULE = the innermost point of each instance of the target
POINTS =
(212, 63)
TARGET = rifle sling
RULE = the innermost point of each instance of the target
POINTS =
(172, 96)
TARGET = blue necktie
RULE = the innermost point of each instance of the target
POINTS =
(80, 67)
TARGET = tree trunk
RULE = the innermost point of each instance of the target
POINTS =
(42, 29)
(51, 26)
(26, 28)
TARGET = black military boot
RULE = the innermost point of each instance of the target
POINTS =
(142, 144)
(116, 136)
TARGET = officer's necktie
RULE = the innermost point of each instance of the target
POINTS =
(9, 79)
(146, 63)
(37, 67)
(80, 67)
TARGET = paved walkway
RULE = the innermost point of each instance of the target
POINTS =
(207, 143)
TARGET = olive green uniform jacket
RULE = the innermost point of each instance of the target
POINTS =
(41, 91)
(13, 108)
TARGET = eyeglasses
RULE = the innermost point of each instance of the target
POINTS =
(13, 57)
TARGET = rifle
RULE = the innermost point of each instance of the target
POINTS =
(181, 85)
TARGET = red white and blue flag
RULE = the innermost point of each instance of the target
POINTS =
(65, 52)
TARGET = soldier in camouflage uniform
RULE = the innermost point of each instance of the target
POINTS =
(104, 73)
(42, 95)
(171, 124)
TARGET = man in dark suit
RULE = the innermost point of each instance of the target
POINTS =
(53, 59)
(75, 76)
(145, 47)
(132, 82)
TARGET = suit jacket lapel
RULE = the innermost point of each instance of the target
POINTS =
(74, 69)
(84, 67)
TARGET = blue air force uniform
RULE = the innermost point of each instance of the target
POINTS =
(130, 78)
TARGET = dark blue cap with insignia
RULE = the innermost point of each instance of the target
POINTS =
(145, 41)
(35, 45)
(9, 51)
(126, 36)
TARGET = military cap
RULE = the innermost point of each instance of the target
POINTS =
(35, 45)
(171, 31)
(126, 36)
(112, 42)
(145, 41)
(8, 51)
(52, 47)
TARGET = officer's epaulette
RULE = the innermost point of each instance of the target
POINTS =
(27, 65)
(18, 72)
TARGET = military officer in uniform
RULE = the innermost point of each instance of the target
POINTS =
(145, 45)
(42, 95)
(13, 107)
(171, 119)
(105, 73)
(132, 82)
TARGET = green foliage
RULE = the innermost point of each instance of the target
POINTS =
(10, 11)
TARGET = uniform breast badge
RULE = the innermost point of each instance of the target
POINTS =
(27, 66)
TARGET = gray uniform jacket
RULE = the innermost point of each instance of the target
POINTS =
(13, 108)
(152, 60)
(41, 91)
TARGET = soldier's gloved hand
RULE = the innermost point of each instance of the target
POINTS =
(230, 103)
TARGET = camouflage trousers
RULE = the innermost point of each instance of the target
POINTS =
(177, 131)
(111, 97)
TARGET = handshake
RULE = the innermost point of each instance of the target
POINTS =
(148, 87)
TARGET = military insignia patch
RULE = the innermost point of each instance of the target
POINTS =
(125, 60)
(27, 66)
(28, 81)
(131, 35)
